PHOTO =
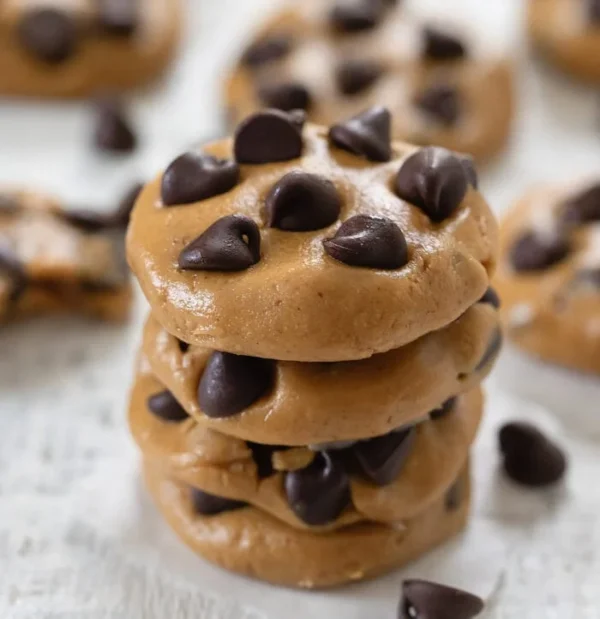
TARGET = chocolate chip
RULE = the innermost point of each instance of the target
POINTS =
(232, 243)
(301, 202)
(530, 458)
(534, 252)
(113, 132)
(491, 297)
(584, 207)
(266, 51)
(449, 406)
(423, 599)
(286, 96)
(183, 346)
(455, 495)
(118, 17)
(267, 137)
(355, 76)
(434, 180)
(207, 504)
(230, 383)
(441, 103)
(11, 266)
(166, 407)
(356, 16)
(367, 135)
(263, 457)
(48, 34)
(380, 459)
(470, 170)
(319, 493)
(196, 176)
(594, 11)
(123, 213)
(492, 350)
(438, 45)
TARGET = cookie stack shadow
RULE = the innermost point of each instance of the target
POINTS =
(308, 386)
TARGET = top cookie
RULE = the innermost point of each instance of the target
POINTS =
(445, 84)
(307, 244)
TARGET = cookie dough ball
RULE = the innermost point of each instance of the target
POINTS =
(333, 59)
(81, 48)
(549, 275)
(567, 32)
(299, 242)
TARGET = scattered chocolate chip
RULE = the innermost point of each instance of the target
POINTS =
(530, 458)
(263, 457)
(286, 96)
(319, 493)
(365, 241)
(455, 495)
(301, 202)
(583, 208)
(355, 76)
(230, 383)
(492, 350)
(423, 599)
(449, 406)
(210, 505)
(9, 204)
(367, 135)
(594, 11)
(470, 170)
(123, 213)
(48, 34)
(267, 137)
(491, 297)
(113, 132)
(232, 243)
(11, 266)
(441, 103)
(193, 177)
(118, 17)
(266, 51)
(434, 180)
(183, 346)
(356, 16)
(438, 45)
(380, 459)
(534, 252)
(166, 407)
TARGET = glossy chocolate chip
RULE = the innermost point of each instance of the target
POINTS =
(423, 599)
(448, 407)
(193, 177)
(286, 96)
(355, 76)
(372, 242)
(123, 213)
(491, 297)
(48, 34)
(300, 202)
(263, 457)
(356, 16)
(166, 407)
(206, 504)
(319, 493)
(113, 131)
(230, 383)
(583, 207)
(455, 495)
(440, 103)
(11, 267)
(118, 17)
(593, 11)
(266, 51)
(534, 252)
(491, 351)
(434, 180)
(380, 459)
(439, 45)
(529, 457)
(232, 243)
(267, 137)
(470, 170)
(367, 135)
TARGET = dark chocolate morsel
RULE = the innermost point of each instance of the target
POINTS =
(183, 346)
(438, 45)
(355, 76)
(434, 180)
(423, 599)
(491, 297)
(11, 266)
(367, 135)
(470, 170)
(583, 207)
(444, 410)
(206, 504)
(455, 495)
(232, 243)
(113, 131)
(268, 136)
(529, 457)
(300, 201)
(319, 493)
(441, 103)
(267, 50)
(263, 457)
(48, 34)
(372, 242)
(166, 407)
(286, 96)
(193, 177)
(230, 383)
(492, 350)
(356, 16)
(118, 17)
(534, 252)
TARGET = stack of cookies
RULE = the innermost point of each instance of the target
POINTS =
(321, 320)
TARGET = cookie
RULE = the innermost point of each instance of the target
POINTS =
(384, 479)
(549, 276)
(445, 86)
(81, 48)
(303, 243)
(250, 542)
(54, 260)
(312, 403)
(567, 33)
